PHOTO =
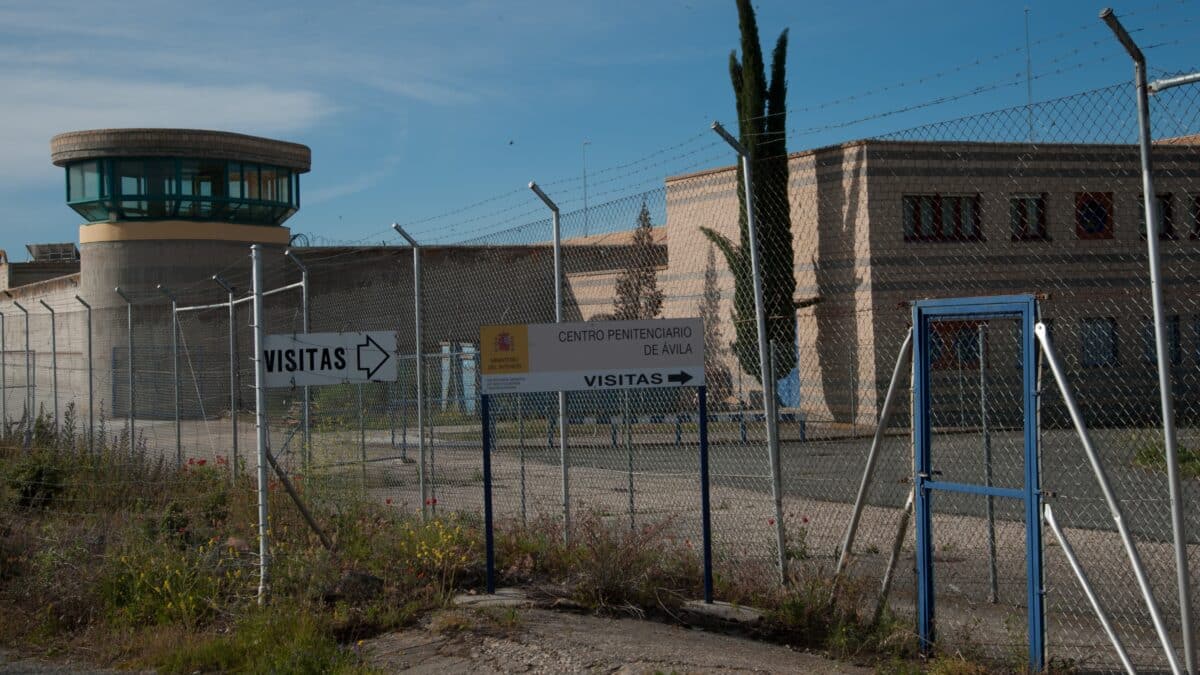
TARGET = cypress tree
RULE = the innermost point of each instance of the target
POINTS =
(762, 127)
(638, 295)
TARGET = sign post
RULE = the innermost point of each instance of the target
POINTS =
(593, 356)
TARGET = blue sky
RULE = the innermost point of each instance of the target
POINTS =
(413, 109)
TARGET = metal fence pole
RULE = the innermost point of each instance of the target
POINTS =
(362, 434)
(563, 421)
(129, 366)
(489, 541)
(175, 371)
(768, 386)
(1101, 615)
(521, 455)
(1110, 498)
(305, 326)
(705, 497)
(3, 379)
(53, 359)
(91, 380)
(28, 388)
(234, 379)
(1160, 338)
(989, 505)
(628, 424)
(260, 421)
(885, 417)
(420, 374)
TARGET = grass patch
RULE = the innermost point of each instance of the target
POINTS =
(281, 639)
(134, 562)
(1151, 454)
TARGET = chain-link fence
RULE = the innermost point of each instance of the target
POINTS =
(1041, 199)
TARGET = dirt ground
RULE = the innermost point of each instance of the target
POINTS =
(546, 641)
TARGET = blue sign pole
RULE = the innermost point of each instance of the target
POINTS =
(484, 413)
(705, 514)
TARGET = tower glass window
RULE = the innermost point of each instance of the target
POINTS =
(184, 189)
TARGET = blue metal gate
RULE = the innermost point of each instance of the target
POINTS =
(974, 403)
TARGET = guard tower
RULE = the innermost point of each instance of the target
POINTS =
(170, 207)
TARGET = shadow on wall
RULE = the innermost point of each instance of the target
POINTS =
(837, 338)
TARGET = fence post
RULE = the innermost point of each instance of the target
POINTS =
(260, 421)
(432, 452)
(362, 435)
(53, 359)
(28, 384)
(91, 380)
(417, 349)
(990, 508)
(705, 508)
(3, 379)
(175, 372)
(1160, 338)
(885, 417)
(563, 421)
(489, 543)
(129, 366)
(234, 379)
(768, 386)
(628, 424)
(1110, 498)
(304, 324)
(1069, 554)
(521, 454)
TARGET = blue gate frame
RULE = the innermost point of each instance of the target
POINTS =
(1024, 309)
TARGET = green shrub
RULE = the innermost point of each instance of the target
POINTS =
(38, 480)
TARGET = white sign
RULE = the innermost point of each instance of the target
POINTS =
(305, 359)
(592, 356)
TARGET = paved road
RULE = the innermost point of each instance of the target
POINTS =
(543, 641)
(831, 470)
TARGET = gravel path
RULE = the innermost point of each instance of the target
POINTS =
(12, 663)
(544, 641)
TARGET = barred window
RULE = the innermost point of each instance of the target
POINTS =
(1027, 217)
(1196, 217)
(940, 217)
(1094, 215)
(1166, 221)
(1149, 348)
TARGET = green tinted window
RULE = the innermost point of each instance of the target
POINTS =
(197, 189)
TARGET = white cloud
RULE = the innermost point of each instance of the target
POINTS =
(363, 181)
(36, 107)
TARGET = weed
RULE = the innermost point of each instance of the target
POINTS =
(159, 584)
(797, 543)
(451, 621)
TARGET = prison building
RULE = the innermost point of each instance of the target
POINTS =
(878, 223)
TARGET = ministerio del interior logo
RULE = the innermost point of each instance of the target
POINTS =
(505, 349)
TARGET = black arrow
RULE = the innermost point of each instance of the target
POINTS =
(369, 343)
(682, 378)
